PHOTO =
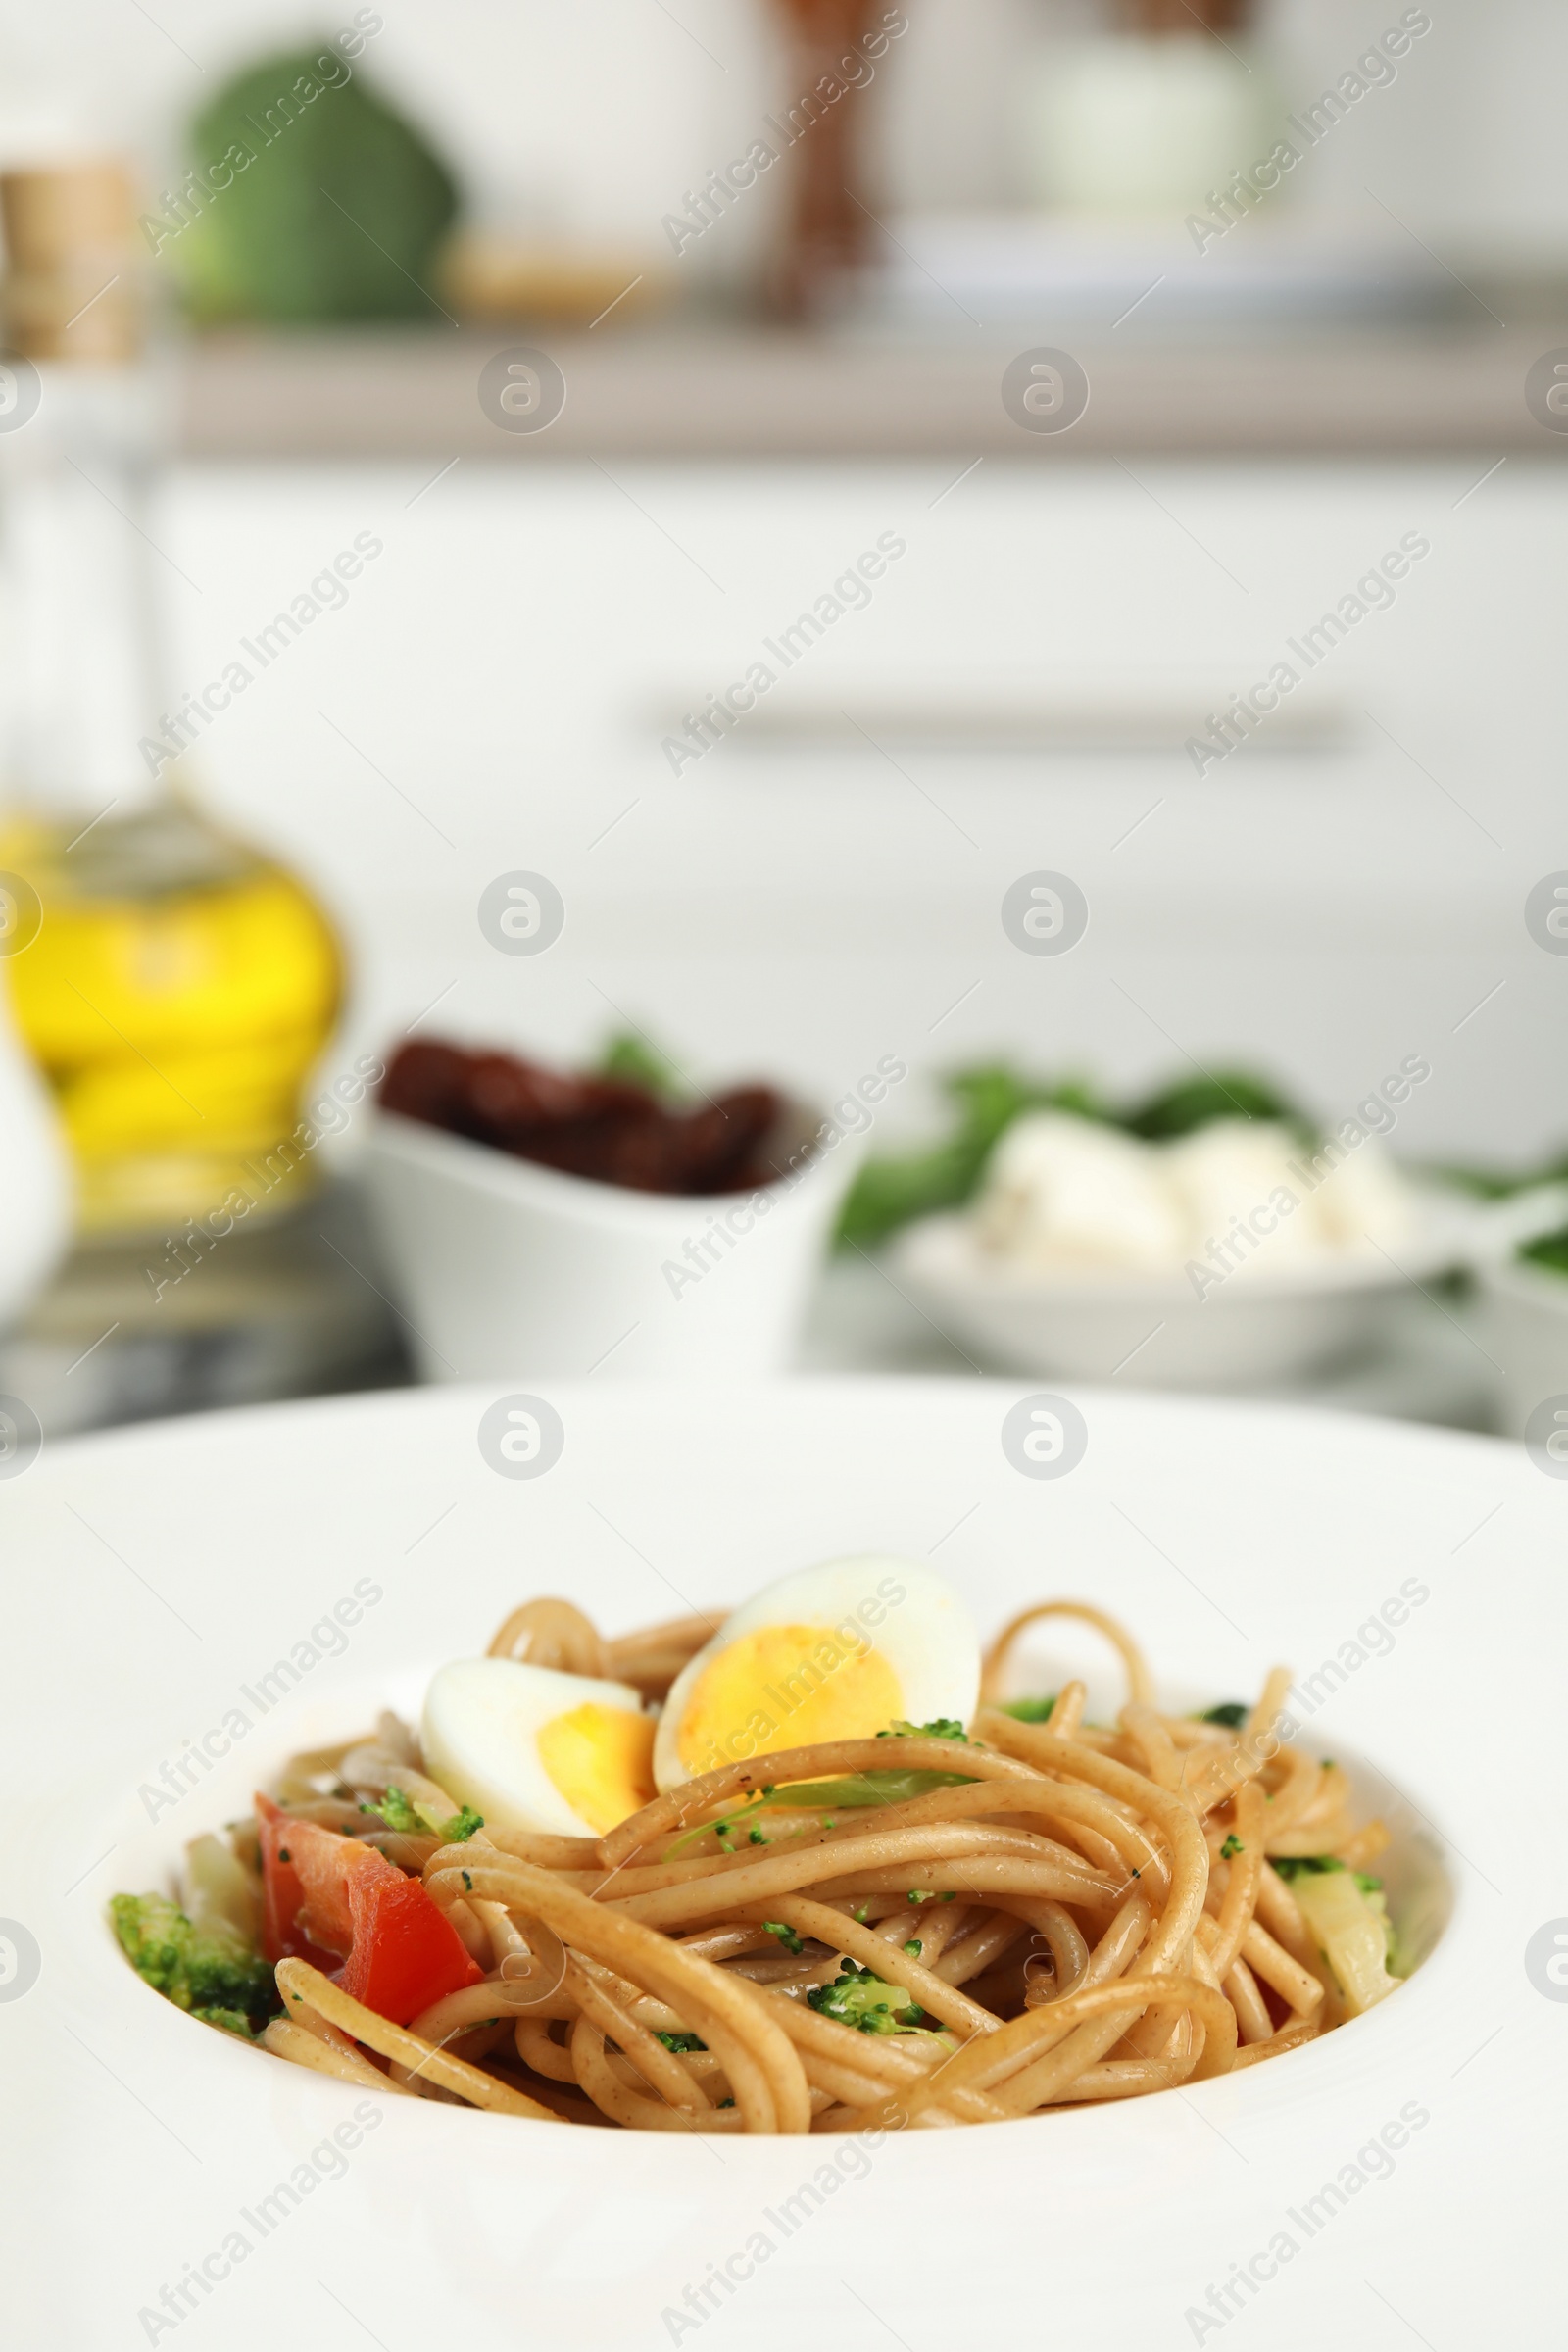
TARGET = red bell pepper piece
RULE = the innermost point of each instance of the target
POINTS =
(329, 1898)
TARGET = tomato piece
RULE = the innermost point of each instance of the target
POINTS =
(350, 1912)
(284, 1842)
(405, 1953)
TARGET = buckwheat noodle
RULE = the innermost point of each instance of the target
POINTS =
(1092, 1914)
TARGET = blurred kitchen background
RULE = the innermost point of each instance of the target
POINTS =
(544, 364)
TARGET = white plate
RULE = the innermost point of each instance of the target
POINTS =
(1253, 1328)
(156, 1573)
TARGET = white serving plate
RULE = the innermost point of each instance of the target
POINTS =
(1254, 1328)
(502, 1266)
(156, 1575)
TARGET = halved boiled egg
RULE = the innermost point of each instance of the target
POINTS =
(531, 1748)
(841, 1651)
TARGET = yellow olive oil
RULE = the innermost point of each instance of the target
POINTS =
(175, 992)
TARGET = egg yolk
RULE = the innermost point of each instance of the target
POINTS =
(786, 1685)
(602, 1761)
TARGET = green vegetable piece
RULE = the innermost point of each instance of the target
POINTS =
(915, 1947)
(720, 1828)
(891, 1787)
(786, 1935)
(941, 1727)
(1230, 1714)
(861, 1999)
(1030, 1710)
(1548, 1250)
(1189, 1104)
(407, 1815)
(631, 1056)
(1317, 1866)
(915, 1896)
(679, 2042)
(229, 2021)
(199, 1969)
(398, 1811)
(1232, 1846)
(335, 214)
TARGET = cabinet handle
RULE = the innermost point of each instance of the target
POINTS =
(1115, 723)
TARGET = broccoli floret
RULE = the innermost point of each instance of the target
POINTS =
(786, 1935)
(396, 1811)
(1305, 1866)
(864, 2002)
(232, 2021)
(1230, 1714)
(1232, 1845)
(679, 2042)
(401, 1812)
(212, 1971)
(1030, 1710)
(941, 1727)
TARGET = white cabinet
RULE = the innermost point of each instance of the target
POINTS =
(1011, 691)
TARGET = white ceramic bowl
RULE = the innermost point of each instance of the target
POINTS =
(1227, 1536)
(501, 1266)
(1524, 1328)
(1256, 1327)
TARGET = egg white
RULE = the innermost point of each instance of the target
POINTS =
(902, 1609)
(480, 1735)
